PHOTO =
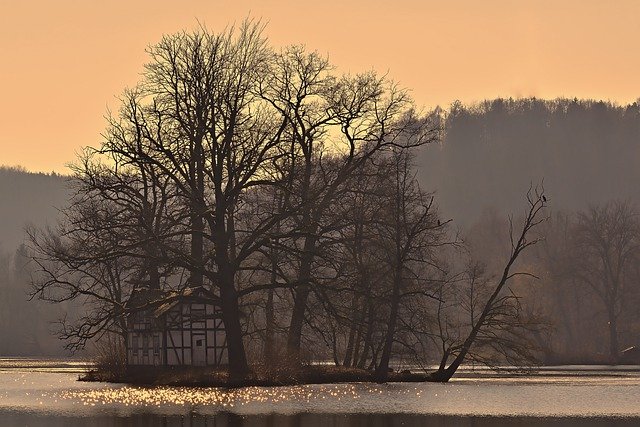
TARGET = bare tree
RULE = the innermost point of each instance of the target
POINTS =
(500, 303)
(106, 245)
(607, 240)
(199, 118)
(410, 232)
(217, 122)
(567, 302)
(334, 126)
(81, 265)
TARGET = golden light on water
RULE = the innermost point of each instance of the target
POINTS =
(221, 398)
(560, 393)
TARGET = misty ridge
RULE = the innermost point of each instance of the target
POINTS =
(586, 151)
(27, 199)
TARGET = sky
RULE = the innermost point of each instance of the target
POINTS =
(64, 62)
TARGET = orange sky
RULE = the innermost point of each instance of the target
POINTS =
(63, 62)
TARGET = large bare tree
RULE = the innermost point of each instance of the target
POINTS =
(218, 122)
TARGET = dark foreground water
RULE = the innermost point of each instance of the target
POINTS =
(306, 420)
(47, 393)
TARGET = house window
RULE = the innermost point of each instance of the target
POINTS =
(156, 345)
(134, 344)
(198, 343)
(145, 345)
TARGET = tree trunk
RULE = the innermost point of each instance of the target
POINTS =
(197, 255)
(349, 353)
(367, 345)
(197, 209)
(382, 372)
(358, 339)
(269, 342)
(535, 206)
(613, 336)
(238, 367)
(294, 336)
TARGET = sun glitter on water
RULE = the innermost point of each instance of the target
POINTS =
(216, 397)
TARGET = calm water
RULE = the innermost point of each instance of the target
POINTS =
(47, 393)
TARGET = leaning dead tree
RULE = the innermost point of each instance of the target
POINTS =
(500, 299)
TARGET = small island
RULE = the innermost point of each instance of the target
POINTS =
(219, 377)
(178, 339)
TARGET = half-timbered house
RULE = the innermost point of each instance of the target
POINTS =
(175, 329)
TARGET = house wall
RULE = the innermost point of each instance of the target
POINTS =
(145, 348)
(188, 334)
(195, 335)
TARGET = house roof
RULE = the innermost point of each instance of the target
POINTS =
(143, 298)
(161, 301)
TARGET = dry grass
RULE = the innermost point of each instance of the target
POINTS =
(111, 358)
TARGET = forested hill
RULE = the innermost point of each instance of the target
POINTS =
(586, 152)
(27, 198)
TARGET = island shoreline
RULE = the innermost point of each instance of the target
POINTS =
(190, 376)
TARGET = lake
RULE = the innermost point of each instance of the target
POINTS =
(47, 393)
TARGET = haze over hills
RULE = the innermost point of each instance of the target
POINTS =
(28, 198)
(586, 152)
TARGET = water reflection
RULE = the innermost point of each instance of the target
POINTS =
(10, 364)
(35, 394)
(304, 420)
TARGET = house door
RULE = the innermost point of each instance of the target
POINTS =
(199, 350)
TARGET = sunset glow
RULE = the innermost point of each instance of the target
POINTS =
(65, 62)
